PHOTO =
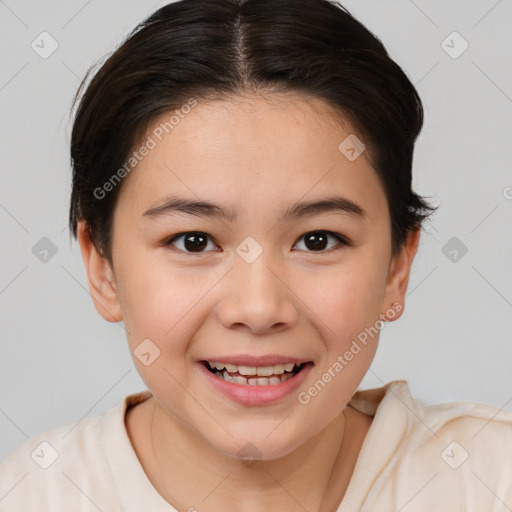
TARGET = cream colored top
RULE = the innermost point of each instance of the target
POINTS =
(450, 457)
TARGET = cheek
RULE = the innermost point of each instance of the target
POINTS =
(347, 308)
(147, 306)
(163, 304)
(347, 300)
(160, 318)
(152, 302)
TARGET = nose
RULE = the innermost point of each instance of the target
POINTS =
(257, 298)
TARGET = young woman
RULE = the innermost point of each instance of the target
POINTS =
(242, 199)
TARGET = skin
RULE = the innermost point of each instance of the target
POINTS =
(256, 155)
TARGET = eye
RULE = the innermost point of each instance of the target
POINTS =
(197, 241)
(318, 240)
(191, 241)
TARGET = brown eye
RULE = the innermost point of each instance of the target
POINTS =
(319, 240)
(192, 241)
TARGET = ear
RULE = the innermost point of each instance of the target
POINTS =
(100, 276)
(398, 277)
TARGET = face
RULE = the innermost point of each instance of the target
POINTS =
(283, 266)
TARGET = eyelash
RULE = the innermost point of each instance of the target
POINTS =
(343, 241)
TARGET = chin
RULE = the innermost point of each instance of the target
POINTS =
(249, 449)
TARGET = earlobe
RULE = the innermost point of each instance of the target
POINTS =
(100, 276)
(398, 277)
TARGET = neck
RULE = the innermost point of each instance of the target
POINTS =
(192, 475)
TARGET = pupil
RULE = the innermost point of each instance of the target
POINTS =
(316, 240)
(195, 242)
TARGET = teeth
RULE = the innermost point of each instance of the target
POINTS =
(260, 371)
(259, 381)
(243, 370)
(228, 377)
(278, 369)
(264, 371)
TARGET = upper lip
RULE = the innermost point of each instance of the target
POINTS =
(248, 360)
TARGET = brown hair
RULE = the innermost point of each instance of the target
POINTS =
(215, 48)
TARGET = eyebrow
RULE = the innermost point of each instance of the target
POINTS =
(332, 204)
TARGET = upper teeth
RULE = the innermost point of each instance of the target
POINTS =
(263, 371)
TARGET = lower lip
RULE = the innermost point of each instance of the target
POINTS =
(246, 394)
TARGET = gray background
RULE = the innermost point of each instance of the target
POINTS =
(61, 362)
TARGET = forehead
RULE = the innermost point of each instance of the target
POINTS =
(243, 150)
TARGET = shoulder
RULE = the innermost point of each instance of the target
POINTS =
(457, 453)
(472, 422)
(481, 431)
(59, 469)
(454, 456)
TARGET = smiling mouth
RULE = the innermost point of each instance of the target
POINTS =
(254, 375)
